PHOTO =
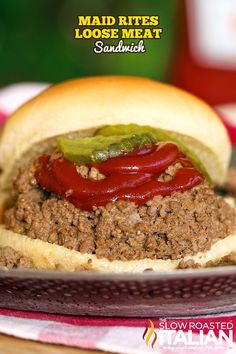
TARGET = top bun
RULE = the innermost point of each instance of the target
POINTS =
(93, 102)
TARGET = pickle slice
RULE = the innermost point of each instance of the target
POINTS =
(160, 135)
(100, 148)
(121, 129)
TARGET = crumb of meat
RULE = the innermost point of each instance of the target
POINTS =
(92, 173)
(12, 259)
(95, 174)
(83, 171)
(169, 172)
(188, 264)
(165, 227)
(69, 192)
(228, 260)
(56, 155)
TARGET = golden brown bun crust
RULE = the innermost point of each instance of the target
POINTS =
(97, 101)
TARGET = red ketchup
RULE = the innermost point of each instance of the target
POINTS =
(132, 177)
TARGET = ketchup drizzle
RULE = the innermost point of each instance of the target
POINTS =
(132, 177)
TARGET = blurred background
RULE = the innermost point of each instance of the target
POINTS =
(197, 50)
(36, 40)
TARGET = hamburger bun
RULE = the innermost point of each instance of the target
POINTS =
(85, 104)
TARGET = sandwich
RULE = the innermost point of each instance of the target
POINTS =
(115, 174)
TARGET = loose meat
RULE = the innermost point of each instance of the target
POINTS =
(165, 227)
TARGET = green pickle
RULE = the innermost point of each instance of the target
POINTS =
(100, 148)
(115, 140)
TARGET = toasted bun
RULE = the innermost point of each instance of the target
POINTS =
(49, 256)
(92, 102)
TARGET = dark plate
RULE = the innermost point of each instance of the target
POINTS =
(176, 293)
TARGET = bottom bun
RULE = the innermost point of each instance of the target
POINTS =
(49, 256)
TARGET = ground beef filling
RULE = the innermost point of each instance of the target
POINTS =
(12, 259)
(165, 227)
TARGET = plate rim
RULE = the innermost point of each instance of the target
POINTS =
(126, 276)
